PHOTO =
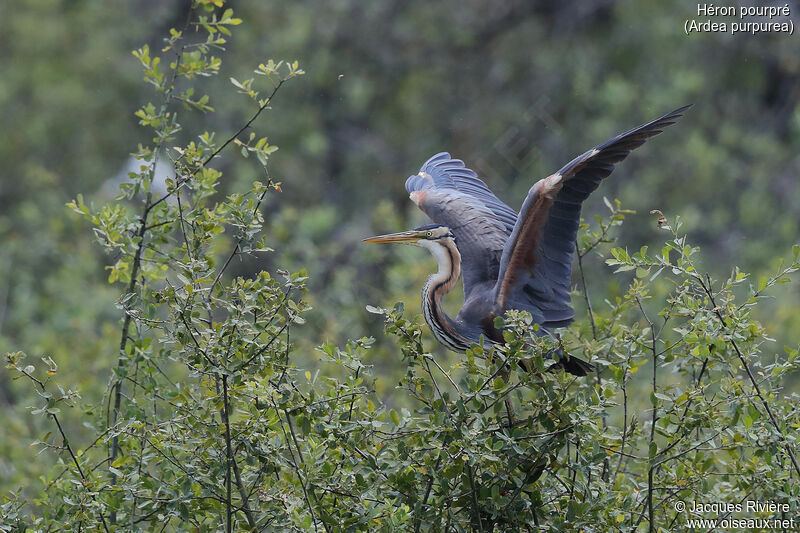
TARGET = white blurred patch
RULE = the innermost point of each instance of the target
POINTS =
(164, 170)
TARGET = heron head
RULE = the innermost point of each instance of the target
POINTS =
(417, 236)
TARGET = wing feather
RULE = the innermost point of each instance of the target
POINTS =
(453, 195)
(536, 265)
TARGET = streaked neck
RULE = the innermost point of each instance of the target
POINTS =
(443, 327)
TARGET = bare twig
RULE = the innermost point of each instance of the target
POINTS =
(184, 179)
(66, 444)
(653, 348)
(752, 379)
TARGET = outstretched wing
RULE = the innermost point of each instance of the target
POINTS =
(536, 265)
(453, 195)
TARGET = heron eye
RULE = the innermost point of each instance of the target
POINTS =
(430, 234)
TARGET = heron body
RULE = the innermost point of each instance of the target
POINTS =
(507, 260)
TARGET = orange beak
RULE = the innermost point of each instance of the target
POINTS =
(406, 237)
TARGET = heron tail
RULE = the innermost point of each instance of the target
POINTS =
(567, 363)
(575, 366)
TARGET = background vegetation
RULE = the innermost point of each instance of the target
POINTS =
(515, 90)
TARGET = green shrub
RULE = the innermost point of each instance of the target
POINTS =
(208, 423)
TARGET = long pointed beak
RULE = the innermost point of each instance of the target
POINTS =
(403, 237)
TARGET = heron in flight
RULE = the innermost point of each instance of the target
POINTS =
(507, 261)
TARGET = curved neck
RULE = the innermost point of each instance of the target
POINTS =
(443, 327)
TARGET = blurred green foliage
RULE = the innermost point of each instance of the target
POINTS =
(515, 89)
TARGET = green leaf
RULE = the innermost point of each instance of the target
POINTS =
(657, 273)
(662, 397)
